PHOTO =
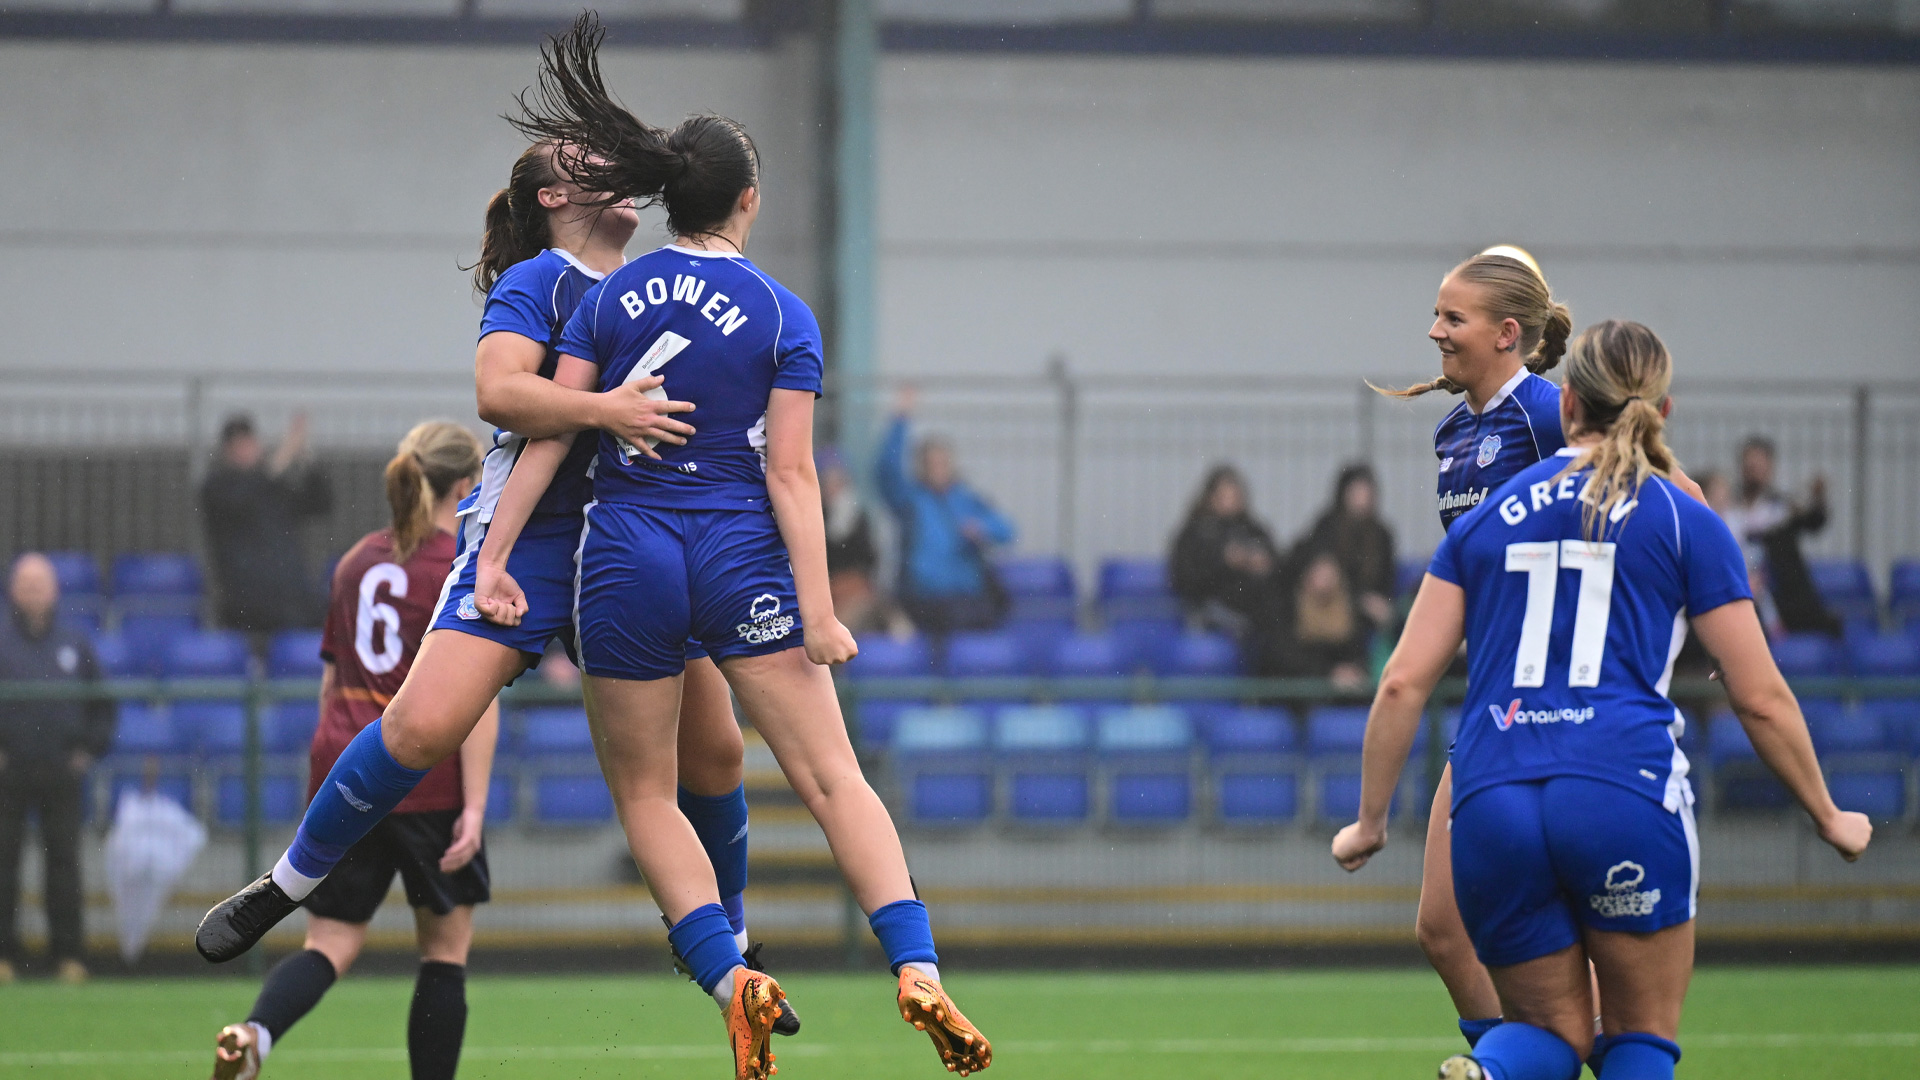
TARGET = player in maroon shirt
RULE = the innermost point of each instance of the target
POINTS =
(384, 597)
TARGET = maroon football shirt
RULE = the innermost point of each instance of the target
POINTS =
(378, 612)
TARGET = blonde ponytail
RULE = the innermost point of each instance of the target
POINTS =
(1620, 372)
(432, 457)
(1510, 288)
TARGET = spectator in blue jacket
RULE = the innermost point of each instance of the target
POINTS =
(947, 532)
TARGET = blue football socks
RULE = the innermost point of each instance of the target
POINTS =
(1472, 1030)
(1634, 1055)
(363, 787)
(705, 941)
(905, 935)
(1516, 1051)
(720, 821)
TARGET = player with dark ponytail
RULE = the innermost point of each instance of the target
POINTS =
(719, 540)
(547, 242)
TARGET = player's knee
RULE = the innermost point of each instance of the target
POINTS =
(416, 737)
(1442, 937)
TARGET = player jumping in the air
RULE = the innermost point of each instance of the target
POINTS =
(380, 606)
(546, 243)
(720, 540)
(1573, 584)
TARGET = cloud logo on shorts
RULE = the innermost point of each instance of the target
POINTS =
(1623, 899)
(467, 610)
(765, 623)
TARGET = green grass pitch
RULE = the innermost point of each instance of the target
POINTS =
(1861, 1023)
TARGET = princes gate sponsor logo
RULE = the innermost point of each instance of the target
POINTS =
(766, 623)
(1624, 898)
(1514, 714)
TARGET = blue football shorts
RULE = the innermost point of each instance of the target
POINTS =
(544, 563)
(653, 580)
(1535, 861)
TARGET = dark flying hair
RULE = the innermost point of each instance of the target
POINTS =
(517, 228)
(696, 171)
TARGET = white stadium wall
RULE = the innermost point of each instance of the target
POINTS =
(244, 207)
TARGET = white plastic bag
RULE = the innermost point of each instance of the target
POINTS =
(153, 841)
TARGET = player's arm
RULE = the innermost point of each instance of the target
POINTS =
(476, 776)
(794, 490)
(1771, 714)
(512, 395)
(495, 593)
(1432, 635)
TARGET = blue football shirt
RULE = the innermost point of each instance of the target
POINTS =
(534, 298)
(724, 335)
(1480, 451)
(1571, 644)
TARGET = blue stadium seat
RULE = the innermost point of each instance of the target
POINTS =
(215, 728)
(1837, 729)
(1136, 588)
(1039, 636)
(940, 757)
(1335, 735)
(555, 731)
(881, 655)
(1742, 782)
(287, 727)
(985, 654)
(1146, 751)
(1727, 741)
(879, 716)
(156, 573)
(206, 654)
(1256, 779)
(1885, 655)
(1039, 588)
(77, 572)
(148, 638)
(147, 729)
(1802, 655)
(1899, 720)
(1148, 641)
(1880, 794)
(500, 799)
(1090, 656)
(1197, 654)
(283, 797)
(178, 609)
(1845, 587)
(1903, 593)
(1043, 753)
(572, 798)
(117, 657)
(1407, 574)
(294, 654)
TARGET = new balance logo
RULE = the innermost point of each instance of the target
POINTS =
(353, 800)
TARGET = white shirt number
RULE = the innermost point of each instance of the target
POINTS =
(374, 612)
(1542, 562)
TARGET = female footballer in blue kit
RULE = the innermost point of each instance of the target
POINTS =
(545, 245)
(719, 540)
(1498, 327)
(1572, 840)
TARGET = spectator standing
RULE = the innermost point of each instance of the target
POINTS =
(254, 506)
(947, 532)
(1322, 632)
(46, 748)
(1769, 526)
(1351, 530)
(1225, 568)
(852, 556)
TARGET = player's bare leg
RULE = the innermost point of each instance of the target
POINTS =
(1443, 937)
(1553, 993)
(792, 703)
(241, 1049)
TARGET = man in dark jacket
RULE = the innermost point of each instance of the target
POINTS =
(254, 506)
(46, 748)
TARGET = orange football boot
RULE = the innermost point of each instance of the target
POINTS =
(756, 1005)
(926, 1006)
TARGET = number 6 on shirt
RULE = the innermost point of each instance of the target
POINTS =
(1542, 562)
